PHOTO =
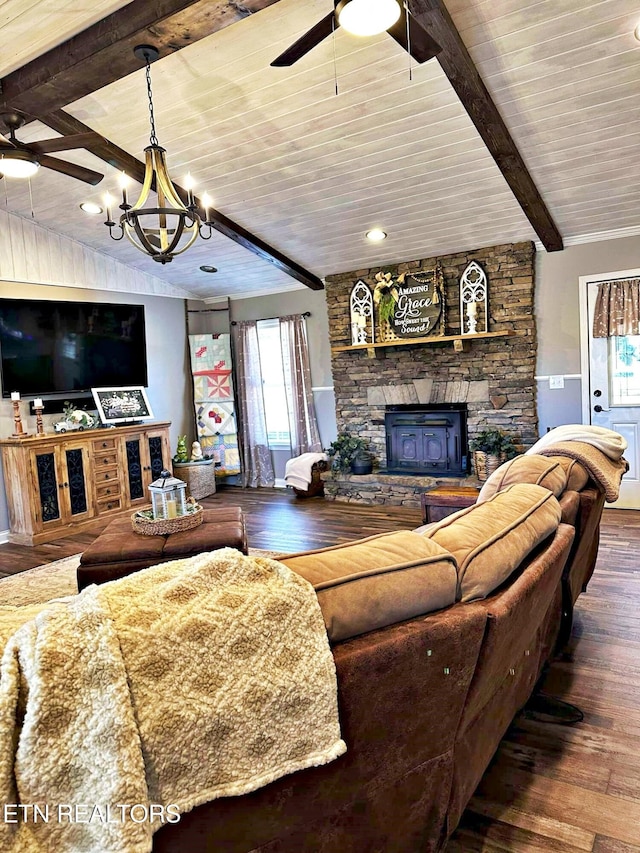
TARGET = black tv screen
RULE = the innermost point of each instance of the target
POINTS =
(49, 346)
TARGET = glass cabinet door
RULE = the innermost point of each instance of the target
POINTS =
(134, 468)
(75, 482)
(47, 473)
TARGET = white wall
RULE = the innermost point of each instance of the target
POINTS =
(558, 318)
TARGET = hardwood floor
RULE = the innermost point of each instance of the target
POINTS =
(576, 788)
(550, 788)
(275, 521)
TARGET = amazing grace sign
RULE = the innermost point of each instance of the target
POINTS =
(418, 307)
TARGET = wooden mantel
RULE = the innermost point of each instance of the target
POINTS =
(460, 342)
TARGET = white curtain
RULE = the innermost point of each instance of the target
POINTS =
(303, 425)
(257, 468)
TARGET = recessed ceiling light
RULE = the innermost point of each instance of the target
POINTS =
(636, 32)
(207, 268)
(376, 235)
(90, 207)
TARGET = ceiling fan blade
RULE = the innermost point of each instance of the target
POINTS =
(66, 143)
(4, 143)
(420, 44)
(307, 42)
(71, 169)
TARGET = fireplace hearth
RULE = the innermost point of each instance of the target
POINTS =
(430, 438)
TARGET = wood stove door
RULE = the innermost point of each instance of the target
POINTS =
(419, 448)
(435, 451)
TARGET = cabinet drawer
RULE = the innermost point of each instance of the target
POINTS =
(103, 444)
(109, 491)
(108, 504)
(106, 475)
(105, 458)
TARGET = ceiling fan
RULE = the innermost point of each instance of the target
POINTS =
(22, 159)
(357, 16)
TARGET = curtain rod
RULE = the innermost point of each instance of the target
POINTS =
(304, 314)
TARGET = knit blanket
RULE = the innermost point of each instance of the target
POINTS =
(137, 700)
(606, 472)
(609, 442)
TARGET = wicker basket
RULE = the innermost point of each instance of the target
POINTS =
(486, 463)
(200, 477)
(165, 526)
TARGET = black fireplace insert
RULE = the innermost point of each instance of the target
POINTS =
(429, 438)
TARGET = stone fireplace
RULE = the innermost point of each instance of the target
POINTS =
(493, 377)
(427, 439)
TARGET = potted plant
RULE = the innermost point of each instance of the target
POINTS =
(491, 447)
(349, 453)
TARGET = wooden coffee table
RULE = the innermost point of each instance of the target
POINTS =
(442, 501)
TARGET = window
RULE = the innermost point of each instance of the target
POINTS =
(624, 355)
(275, 366)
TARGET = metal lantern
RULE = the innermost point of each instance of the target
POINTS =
(168, 496)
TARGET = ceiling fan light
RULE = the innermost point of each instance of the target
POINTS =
(367, 17)
(18, 164)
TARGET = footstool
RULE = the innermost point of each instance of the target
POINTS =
(118, 551)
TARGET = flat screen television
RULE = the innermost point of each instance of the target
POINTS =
(52, 347)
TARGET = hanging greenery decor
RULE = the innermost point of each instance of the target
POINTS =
(385, 295)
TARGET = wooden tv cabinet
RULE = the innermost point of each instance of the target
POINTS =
(58, 483)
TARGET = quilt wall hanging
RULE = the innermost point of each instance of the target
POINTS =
(214, 400)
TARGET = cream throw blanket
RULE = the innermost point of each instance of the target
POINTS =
(297, 471)
(196, 679)
(609, 442)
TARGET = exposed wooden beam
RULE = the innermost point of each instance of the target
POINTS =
(103, 52)
(62, 122)
(467, 83)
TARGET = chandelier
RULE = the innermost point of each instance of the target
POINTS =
(170, 227)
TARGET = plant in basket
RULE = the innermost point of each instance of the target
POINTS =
(491, 447)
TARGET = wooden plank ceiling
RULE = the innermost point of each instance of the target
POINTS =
(309, 172)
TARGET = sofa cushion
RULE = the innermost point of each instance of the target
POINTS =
(526, 469)
(489, 540)
(576, 474)
(377, 581)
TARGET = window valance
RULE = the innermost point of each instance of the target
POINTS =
(617, 310)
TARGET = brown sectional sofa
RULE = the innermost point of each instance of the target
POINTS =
(424, 698)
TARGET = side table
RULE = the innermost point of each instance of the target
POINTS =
(442, 501)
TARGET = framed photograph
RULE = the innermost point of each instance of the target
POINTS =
(121, 405)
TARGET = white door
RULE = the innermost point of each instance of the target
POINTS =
(614, 396)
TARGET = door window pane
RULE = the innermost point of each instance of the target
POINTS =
(624, 366)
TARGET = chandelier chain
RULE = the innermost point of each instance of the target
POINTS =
(153, 139)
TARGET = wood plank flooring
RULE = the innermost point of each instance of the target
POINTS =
(550, 788)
